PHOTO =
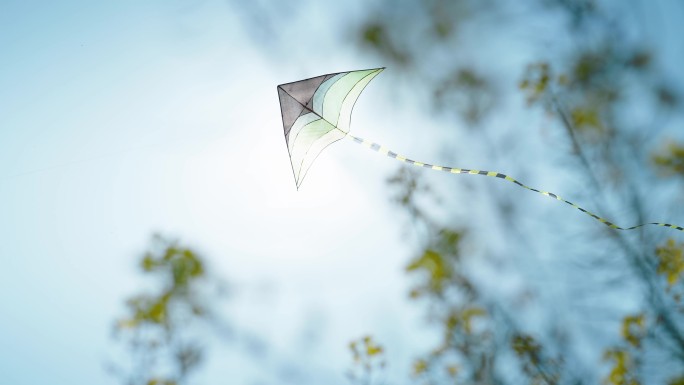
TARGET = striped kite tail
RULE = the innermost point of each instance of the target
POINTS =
(383, 150)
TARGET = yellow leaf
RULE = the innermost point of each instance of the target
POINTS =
(671, 263)
(373, 350)
(633, 329)
(434, 264)
(419, 367)
(586, 117)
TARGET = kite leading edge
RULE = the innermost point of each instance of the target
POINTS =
(316, 112)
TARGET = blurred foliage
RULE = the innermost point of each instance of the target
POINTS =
(624, 359)
(472, 326)
(540, 369)
(670, 161)
(160, 328)
(471, 95)
(169, 326)
(375, 35)
(455, 306)
(472, 329)
(454, 301)
(536, 79)
(659, 324)
(634, 329)
(589, 86)
(623, 371)
(671, 261)
(430, 26)
(368, 361)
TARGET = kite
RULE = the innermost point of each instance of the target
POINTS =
(316, 113)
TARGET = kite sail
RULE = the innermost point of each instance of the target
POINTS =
(316, 112)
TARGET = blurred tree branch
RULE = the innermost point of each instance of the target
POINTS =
(598, 82)
(160, 329)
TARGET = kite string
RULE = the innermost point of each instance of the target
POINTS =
(385, 151)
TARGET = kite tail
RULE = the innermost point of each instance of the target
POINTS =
(452, 170)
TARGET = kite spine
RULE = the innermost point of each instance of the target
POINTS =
(385, 151)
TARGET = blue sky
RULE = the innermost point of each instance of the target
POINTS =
(119, 120)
